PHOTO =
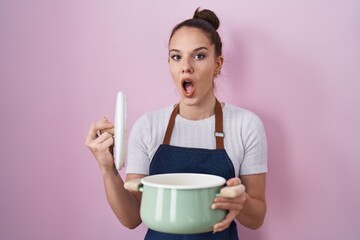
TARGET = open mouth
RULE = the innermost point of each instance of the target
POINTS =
(188, 86)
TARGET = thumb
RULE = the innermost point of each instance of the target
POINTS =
(233, 182)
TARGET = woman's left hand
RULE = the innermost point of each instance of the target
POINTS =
(232, 205)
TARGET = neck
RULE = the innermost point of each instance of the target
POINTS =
(198, 111)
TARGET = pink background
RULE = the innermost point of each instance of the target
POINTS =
(295, 63)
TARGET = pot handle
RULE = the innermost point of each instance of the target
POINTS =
(232, 191)
(134, 185)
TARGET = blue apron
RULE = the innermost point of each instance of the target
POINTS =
(173, 159)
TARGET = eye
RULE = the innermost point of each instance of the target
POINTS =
(199, 56)
(175, 57)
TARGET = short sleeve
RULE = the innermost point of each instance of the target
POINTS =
(255, 146)
(138, 160)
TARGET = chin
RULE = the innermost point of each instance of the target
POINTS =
(189, 101)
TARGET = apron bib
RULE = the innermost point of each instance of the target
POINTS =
(173, 159)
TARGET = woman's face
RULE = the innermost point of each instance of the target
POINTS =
(193, 65)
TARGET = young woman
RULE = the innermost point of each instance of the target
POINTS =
(239, 154)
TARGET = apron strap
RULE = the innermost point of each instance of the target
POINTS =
(171, 125)
(219, 134)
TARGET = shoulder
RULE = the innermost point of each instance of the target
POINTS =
(159, 113)
(154, 117)
(242, 115)
(150, 125)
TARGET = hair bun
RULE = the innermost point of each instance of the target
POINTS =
(208, 16)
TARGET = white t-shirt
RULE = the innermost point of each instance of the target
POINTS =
(245, 138)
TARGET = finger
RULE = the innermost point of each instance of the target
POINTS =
(227, 200)
(234, 206)
(109, 130)
(107, 143)
(102, 138)
(101, 144)
(91, 135)
(103, 124)
(233, 182)
(235, 203)
(94, 128)
(225, 223)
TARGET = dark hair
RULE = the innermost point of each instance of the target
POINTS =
(207, 21)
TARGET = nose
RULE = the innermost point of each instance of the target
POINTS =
(187, 68)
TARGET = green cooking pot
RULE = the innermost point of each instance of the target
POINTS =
(180, 203)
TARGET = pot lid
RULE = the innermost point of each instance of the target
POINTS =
(120, 131)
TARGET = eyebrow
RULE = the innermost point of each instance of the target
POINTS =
(195, 50)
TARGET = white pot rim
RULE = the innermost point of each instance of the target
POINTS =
(183, 181)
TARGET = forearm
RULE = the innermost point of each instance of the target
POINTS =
(253, 213)
(125, 206)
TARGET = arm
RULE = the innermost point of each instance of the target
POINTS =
(253, 211)
(124, 204)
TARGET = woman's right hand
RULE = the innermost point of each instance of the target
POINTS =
(99, 140)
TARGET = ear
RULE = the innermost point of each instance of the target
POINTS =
(218, 65)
